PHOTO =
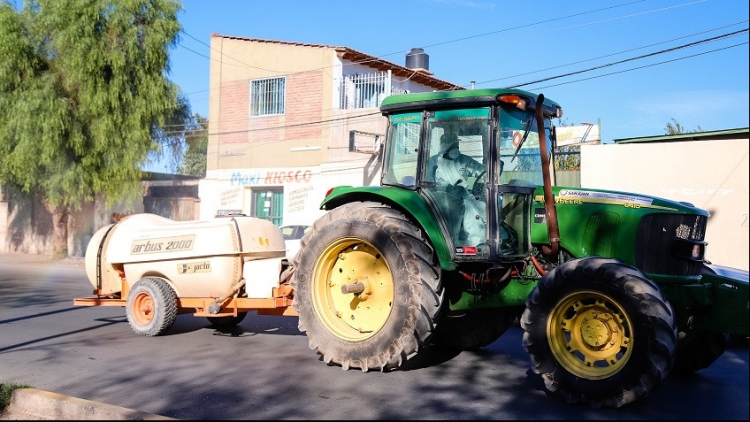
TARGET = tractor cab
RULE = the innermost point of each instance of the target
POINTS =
(476, 161)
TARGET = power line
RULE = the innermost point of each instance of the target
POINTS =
(548, 86)
(317, 122)
(343, 119)
(656, 53)
(645, 66)
(524, 26)
(664, 51)
(612, 54)
(286, 73)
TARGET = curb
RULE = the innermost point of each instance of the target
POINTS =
(33, 404)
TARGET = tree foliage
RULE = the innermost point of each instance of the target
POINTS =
(196, 139)
(568, 157)
(170, 138)
(83, 85)
(675, 128)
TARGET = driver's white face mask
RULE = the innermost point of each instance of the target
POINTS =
(452, 152)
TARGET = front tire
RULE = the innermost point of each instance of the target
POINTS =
(599, 332)
(151, 307)
(391, 295)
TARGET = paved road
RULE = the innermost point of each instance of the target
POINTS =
(265, 370)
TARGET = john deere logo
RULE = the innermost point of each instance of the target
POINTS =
(194, 267)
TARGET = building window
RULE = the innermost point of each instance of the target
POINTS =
(268, 203)
(267, 96)
(363, 90)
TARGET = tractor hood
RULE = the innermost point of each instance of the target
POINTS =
(655, 234)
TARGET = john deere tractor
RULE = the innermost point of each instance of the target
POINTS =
(468, 233)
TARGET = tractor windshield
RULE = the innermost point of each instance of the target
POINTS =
(518, 146)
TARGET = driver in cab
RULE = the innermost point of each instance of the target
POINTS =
(453, 167)
(451, 171)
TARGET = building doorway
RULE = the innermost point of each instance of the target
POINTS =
(268, 203)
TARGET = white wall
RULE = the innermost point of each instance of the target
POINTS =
(304, 187)
(712, 175)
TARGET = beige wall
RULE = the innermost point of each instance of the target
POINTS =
(26, 226)
(239, 141)
(305, 151)
(712, 175)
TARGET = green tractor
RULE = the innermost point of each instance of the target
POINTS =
(467, 234)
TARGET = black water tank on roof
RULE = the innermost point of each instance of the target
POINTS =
(417, 59)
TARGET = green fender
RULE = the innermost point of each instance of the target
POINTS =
(409, 202)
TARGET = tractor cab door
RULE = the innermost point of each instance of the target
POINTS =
(454, 176)
(519, 174)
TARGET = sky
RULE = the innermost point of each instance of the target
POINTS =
(630, 65)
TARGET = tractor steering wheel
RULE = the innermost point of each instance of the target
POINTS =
(477, 188)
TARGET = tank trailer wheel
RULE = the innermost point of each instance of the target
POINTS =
(151, 307)
(599, 332)
(367, 287)
(227, 321)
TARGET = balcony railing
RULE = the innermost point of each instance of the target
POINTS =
(365, 90)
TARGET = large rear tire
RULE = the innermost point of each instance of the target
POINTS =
(599, 332)
(367, 287)
(151, 307)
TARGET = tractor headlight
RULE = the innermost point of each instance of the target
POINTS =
(697, 252)
(693, 250)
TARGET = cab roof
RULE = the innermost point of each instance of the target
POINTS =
(470, 97)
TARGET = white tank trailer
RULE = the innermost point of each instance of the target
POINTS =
(158, 268)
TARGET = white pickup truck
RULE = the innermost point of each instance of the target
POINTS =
(219, 269)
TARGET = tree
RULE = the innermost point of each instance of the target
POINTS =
(82, 88)
(170, 138)
(196, 139)
(568, 157)
(675, 128)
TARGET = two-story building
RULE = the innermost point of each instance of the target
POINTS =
(290, 120)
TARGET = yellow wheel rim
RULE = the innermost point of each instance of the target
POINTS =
(359, 310)
(590, 335)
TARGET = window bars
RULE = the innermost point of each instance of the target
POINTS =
(267, 96)
(364, 90)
